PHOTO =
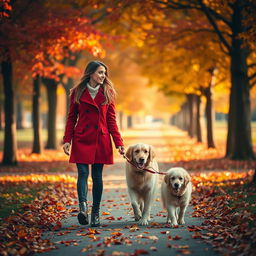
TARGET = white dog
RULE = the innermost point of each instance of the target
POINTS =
(142, 185)
(176, 192)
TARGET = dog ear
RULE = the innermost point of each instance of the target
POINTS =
(167, 179)
(151, 153)
(129, 153)
(187, 179)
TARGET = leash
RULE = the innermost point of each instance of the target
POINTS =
(143, 169)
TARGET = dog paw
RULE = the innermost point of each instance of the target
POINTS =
(137, 217)
(181, 221)
(173, 224)
(143, 222)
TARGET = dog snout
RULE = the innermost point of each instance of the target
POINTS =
(141, 160)
(176, 185)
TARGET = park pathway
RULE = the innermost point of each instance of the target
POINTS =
(119, 234)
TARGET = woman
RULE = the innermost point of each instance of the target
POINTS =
(90, 122)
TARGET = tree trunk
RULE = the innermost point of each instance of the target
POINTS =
(37, 144)
(239, 141)
(192, 115)
(121, 120)
(198, 116)
(183, 113)
(19, 109)
(129, 122)
(67, 88)
(71, 61)
(10, 142)
(51, 87)
(173, 120)
(186, 117)
(254, 177)
(178, 120)
(209, 116)
(1, 120)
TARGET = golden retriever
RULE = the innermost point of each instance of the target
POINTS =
(141, 185)
(176, 192)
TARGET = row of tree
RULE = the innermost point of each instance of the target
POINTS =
(45, 39)
(47, 43)
(183, 47)
(182, 42)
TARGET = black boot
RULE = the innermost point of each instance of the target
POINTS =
(95, 218)
(82, 216)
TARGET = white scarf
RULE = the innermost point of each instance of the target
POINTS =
(93, 90)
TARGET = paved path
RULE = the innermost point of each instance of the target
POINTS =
(119, 233)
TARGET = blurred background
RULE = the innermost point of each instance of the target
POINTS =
(182, 63)
(185, 74)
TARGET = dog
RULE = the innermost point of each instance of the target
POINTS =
(176, 190)
(141, 185)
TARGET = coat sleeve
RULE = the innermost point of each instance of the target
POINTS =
(112, 126)
(71, 120)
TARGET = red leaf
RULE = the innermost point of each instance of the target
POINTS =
(110, 218)
(139, 252)
(176, 237)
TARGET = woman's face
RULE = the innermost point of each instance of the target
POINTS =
(99, 75)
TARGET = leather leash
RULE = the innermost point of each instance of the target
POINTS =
(143, 169)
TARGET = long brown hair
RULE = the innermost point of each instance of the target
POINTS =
(109, 90)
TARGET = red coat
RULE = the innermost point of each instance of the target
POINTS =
(89, 126)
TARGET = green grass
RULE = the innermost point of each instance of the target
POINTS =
(25, 137)
(13, 196)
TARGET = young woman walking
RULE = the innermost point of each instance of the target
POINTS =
(91, 121)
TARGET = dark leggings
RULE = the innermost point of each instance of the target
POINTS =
(97, 184)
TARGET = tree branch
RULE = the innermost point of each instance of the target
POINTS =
(223, 49)
(203, 30)
(105, 13)
(61, 80)
(172, 4)
(219, 17)
(215, 26)
(252, 84)
(252, 76)
(208, 12)
(176, 5)
(102, 16)
(252, 65)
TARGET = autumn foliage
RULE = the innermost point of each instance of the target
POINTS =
(223, 198)
(218, 197)
(21, 233)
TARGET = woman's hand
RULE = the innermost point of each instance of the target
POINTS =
(121, 150)
(66, 148)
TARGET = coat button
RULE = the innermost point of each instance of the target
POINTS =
(87, 111)
(87, 126)
(96, 126)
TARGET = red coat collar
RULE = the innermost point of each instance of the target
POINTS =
(97, 101)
